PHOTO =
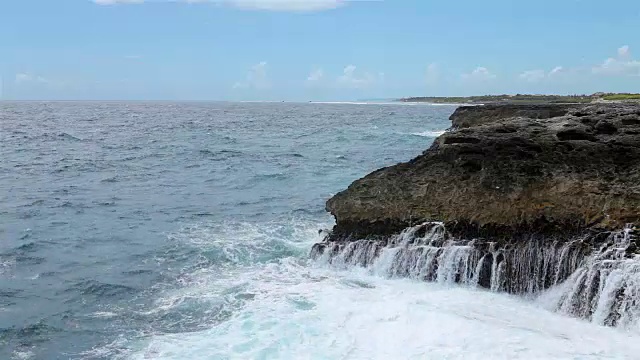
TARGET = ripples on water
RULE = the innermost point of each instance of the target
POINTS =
(109, 211)
(182, 231)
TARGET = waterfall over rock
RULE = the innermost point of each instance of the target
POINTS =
(594, 276)
(536, 200)
(606, 287)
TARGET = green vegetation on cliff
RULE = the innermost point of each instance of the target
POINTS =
(523, 99)
(621, 97)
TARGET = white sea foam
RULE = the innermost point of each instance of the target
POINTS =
(296, 309)
(301, 312)
(104, 314)
(23, 355)
(395, 103)
(6, 266)
(429, 133)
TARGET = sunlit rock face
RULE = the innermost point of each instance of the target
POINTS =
(551, 168)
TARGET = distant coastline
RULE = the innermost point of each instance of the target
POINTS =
(523, 99)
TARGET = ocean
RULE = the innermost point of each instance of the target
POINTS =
(161, 230)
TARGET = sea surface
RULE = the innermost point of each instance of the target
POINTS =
(166, 230)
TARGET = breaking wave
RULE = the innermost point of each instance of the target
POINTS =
(431, 134)
(587, 277)
(270, 301)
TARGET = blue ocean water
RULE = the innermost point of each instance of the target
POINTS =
(182, 231)
(104, 207)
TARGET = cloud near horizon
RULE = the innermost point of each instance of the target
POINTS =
(22, 78)
(479, 74)
(351, 79)
(267, 5)
(623, 65)
(256, 78)
(315, 75)
(534, 76)
(556, 70)
(432, 74)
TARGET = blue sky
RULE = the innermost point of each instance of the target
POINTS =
(315, 49)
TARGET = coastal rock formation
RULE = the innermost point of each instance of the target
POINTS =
(505, 169)
(512, 198)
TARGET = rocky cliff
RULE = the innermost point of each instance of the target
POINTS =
(512, 198)
(507, 168)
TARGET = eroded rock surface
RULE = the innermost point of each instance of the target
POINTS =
(508, 169)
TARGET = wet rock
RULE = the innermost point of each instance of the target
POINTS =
(484, 276)
(317, 250)
(605, 127)
(575, 134)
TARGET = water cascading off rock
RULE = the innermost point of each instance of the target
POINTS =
(530, 200)
(595, 275)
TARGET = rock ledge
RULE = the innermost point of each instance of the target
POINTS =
(504, 170)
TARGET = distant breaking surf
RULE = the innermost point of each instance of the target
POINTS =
(432, 133)
(377, 103)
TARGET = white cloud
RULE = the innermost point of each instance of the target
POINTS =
(113, 2)
(351, 79)
(533, 75)
(623, 52)
(286, 5)
(269, 5)
(22, 78)
(33, 81)
(556, 70)
(315, 75)
(433, 74)
(623, 65)
(479, 74)
(256, 78)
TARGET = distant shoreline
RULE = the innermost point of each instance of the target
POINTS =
(523, 99)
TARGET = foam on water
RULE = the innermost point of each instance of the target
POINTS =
(300, 312)
(431, 133)
(590, 276)
(89, 272)
(292, 308)
(606, 289)
(363, 103)
(87, 267)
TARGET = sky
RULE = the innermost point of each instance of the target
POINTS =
(326, 50)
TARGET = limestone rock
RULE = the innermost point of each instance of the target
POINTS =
(505, 169)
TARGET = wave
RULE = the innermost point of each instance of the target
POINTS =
(24, 340)
(281, 304)
(353, 103)
(101, 289)
(221, 154)
(430, 133)
(295, 155)
(603, 287)
(296, 310)
(392, 103)
(112, 179)
(7, 265)
(67, 136)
